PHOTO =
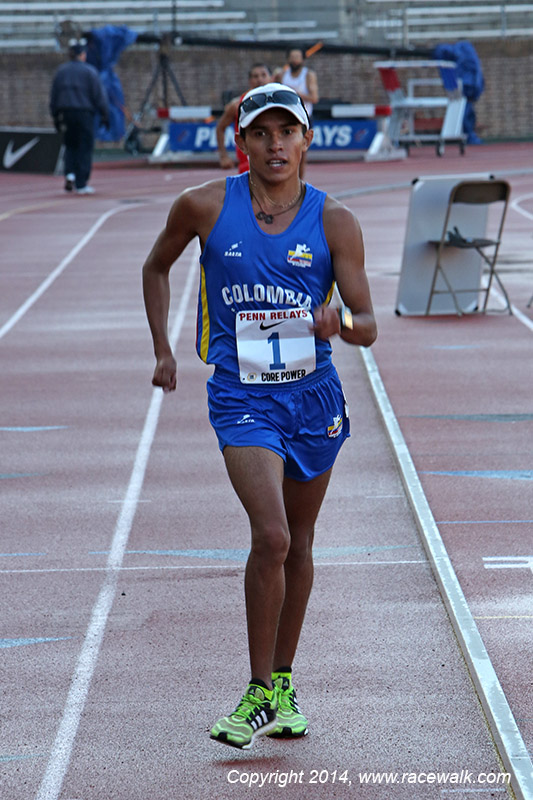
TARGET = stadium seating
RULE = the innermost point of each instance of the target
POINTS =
(411, 22)
(32, 24)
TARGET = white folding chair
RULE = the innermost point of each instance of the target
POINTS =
(474, 192)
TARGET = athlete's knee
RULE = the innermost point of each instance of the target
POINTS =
(270, 543)
(301, 547)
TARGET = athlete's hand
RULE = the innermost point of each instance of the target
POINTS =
(165, 373)
(226, 162)
(327, 322)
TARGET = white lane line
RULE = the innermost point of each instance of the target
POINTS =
(17, 316)
(502, 723)
(515, 205)
(520, 316)
(508, 562)
(505, 616)
(61, 751)
(227, 565)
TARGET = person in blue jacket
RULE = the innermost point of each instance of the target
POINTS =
(76, 96)
(272, 250)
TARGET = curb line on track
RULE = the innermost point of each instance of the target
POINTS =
(502, 724)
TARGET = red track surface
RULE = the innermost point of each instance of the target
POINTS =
(146, 646)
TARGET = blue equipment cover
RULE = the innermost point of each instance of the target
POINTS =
(103, 51)
(470, 72)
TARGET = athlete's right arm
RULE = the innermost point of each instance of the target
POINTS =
(192, 214)
(227, 118)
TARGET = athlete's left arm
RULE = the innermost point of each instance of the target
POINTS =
(357, 324)
(312, 95)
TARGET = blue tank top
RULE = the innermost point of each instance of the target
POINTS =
(243, 268)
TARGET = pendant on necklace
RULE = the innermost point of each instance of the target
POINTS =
(267, 218)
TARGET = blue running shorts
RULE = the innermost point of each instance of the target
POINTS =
(305, 421)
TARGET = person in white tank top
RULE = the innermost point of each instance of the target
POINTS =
(303, 80)
(300, 78)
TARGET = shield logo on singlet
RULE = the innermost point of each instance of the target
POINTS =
(301, 256)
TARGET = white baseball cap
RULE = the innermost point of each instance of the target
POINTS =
(271, 95)
(77, 46)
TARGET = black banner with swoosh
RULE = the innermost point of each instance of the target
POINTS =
(29, 150)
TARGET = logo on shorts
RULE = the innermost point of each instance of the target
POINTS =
(246, 419)
(301, 257)
(335, 429)
(233, 250)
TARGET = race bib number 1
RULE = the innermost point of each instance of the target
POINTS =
(275, 346)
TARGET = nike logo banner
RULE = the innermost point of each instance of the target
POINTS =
(29, 149)
(11, 156)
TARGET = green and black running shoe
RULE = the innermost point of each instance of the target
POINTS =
(254, 716)
(291, 722)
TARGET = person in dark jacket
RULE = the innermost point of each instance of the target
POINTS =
(76, 96)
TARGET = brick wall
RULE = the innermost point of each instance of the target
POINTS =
(505, 110)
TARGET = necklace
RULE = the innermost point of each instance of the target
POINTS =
(269, 218)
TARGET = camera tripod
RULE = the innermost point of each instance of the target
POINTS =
(163, 71)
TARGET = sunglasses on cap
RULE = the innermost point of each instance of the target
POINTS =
(262, 99)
